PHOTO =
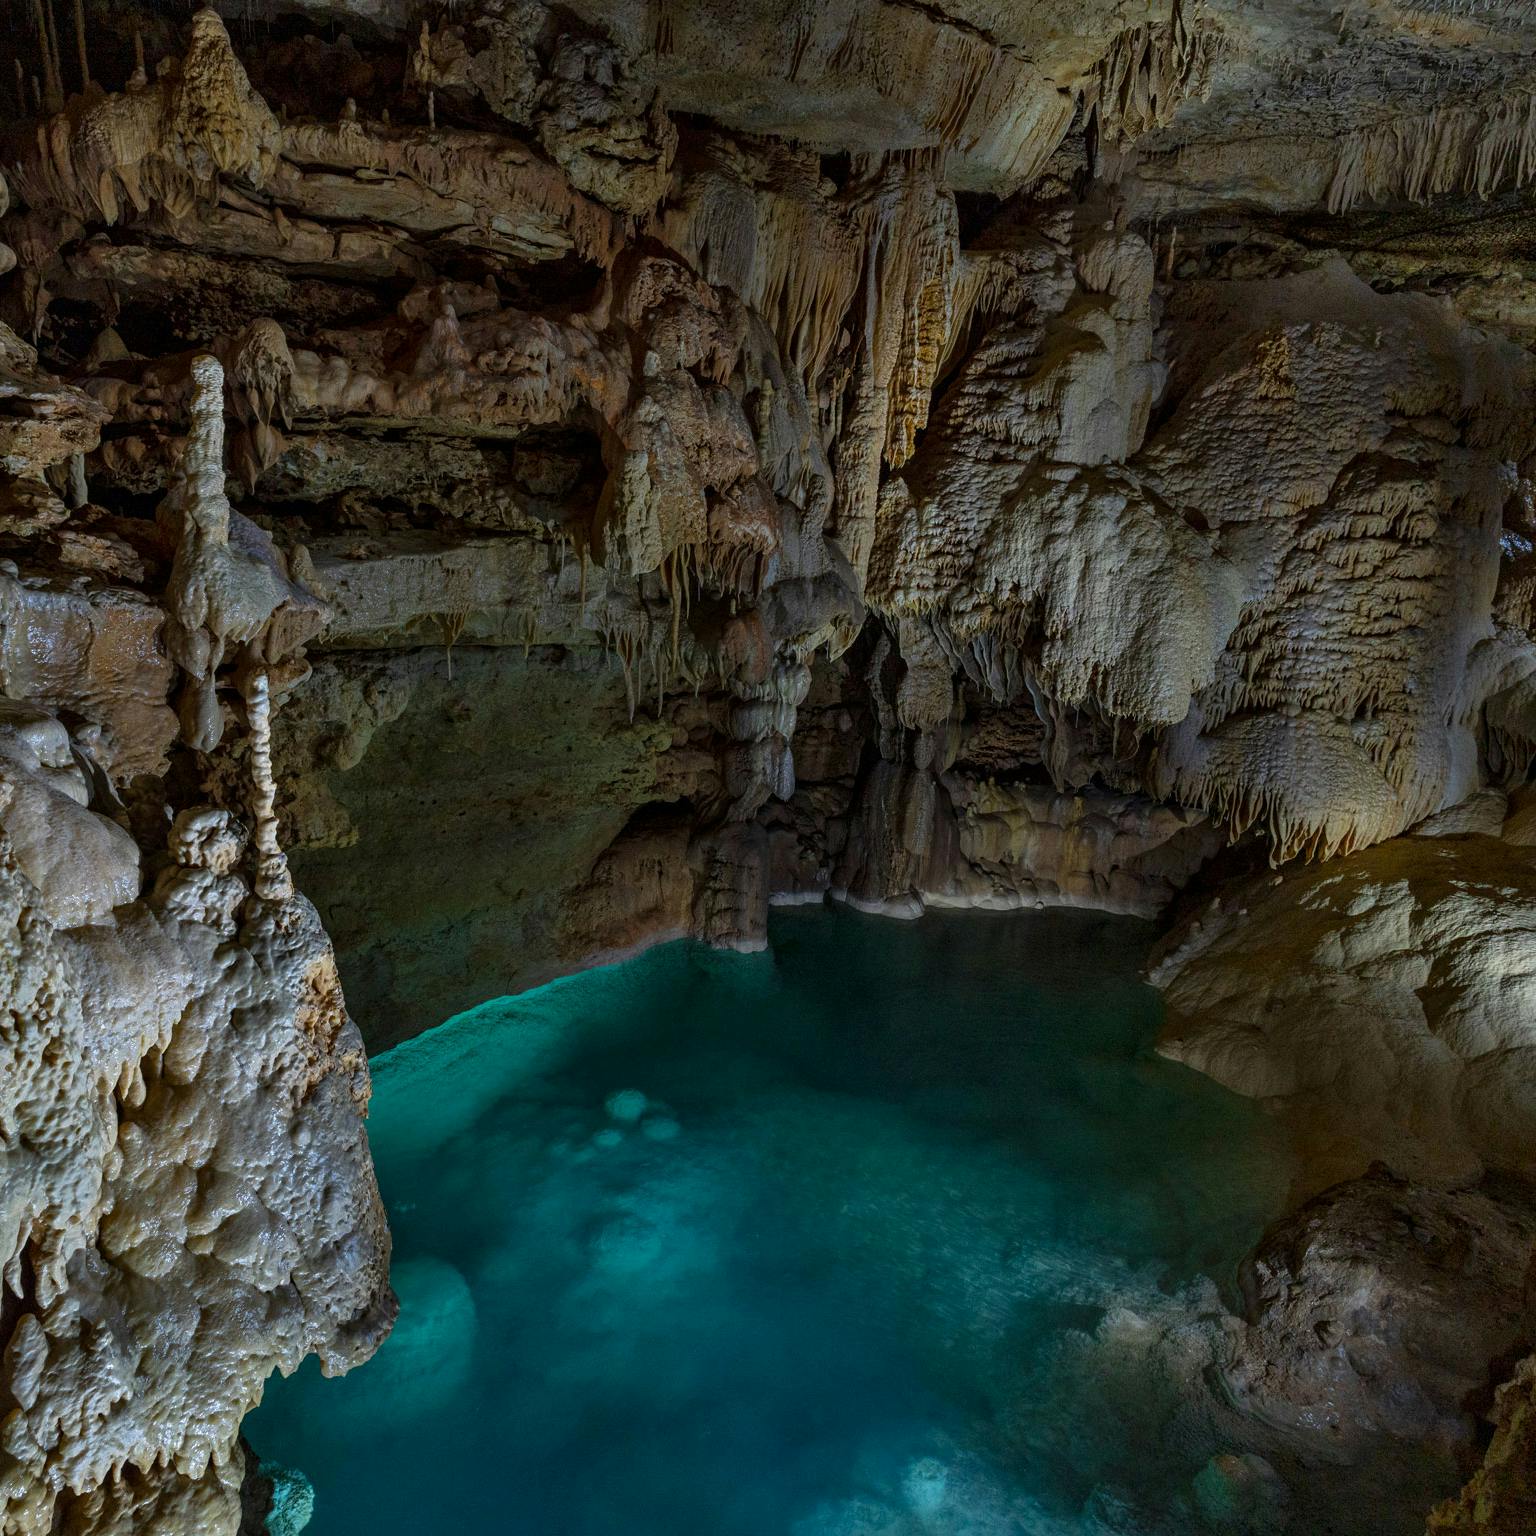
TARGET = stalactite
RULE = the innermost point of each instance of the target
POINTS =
(85, 66)
(52, 96)
(1148, 72)
(167, 144)
(55, 52)
(1473, 149)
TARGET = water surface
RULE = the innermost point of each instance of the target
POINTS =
(897, 1229)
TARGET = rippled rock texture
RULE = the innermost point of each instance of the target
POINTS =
(572, 477)
(1387, 1009)
(186, 1198)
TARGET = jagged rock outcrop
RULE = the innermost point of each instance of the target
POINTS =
(188, 1202)
(1498, 1500)
(1381, 1307)
(81, 863)
(1312, 456)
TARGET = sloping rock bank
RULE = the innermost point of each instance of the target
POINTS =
(1382, 1006)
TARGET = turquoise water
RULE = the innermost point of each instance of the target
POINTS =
(897, 1229)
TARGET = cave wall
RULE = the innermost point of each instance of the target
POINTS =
(562, 816)
(541, 481)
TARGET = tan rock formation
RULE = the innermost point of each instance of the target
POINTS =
(229, 591)
(1175, 609)
(1029, 845)
(1498, 1501)
(81, 864)
(1378, 1308)
(995, 85)
(1385, 1009)
(161, 144)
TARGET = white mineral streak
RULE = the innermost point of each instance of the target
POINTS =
(273, 881)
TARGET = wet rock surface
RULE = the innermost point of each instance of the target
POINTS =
(1382, 1305)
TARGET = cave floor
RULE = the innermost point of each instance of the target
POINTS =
(895, 1228)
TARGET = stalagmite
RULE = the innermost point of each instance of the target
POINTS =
(273, 881)
(228, 583)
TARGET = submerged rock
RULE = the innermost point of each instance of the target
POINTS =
(626, 1106)
(1241, 1493)
(293, 1501)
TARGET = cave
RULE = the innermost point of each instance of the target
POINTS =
(766, 770)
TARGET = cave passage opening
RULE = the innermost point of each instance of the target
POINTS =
(895, 1228)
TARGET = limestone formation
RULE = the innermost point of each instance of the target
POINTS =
(228, 588)
(1387, 1009)
(185, 1159)
(1498, 1499)
(542, 480)
(1385, 1309)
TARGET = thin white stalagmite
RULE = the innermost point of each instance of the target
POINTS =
(273, 880)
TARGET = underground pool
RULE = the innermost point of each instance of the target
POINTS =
(894, 1228)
